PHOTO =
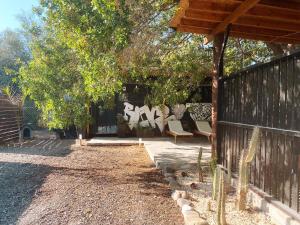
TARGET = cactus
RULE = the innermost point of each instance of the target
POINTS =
(229, 163)
(221, 219)
(213, 165)
(208, 208)
(242, 183)
(253, 145)
(199, 165)
(216, 181)
(245, 160)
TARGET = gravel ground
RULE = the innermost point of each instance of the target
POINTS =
(52, 183)
(201, 195)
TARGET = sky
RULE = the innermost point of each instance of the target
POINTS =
(9, 9)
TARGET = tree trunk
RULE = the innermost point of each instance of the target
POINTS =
(218, 41)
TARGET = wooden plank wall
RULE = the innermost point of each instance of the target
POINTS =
(8, 121)
(267, 96)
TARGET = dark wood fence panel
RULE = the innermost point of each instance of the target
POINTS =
(267, 96)
(8, 121)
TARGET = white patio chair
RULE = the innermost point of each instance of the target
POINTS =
(176, 130)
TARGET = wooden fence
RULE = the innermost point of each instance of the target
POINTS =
(267, 96)
(8, 121)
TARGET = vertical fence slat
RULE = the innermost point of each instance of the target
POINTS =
(294, 180)
(276, 76)
(263, 161)
(296, 99)
(287, 172)
(290, 84)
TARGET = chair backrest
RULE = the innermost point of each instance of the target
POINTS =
(175, 125)
(203, 126)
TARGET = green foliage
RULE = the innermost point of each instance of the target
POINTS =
(74, 58)
(171, 63)
(53, 81)
(13, 53)
(242, 53)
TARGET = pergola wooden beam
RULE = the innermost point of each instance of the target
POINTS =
(264, 26)
(255, 13)
(236, 33)
(273, 21)
(240, 10)
(184, 5)
(283, 4)
(271, 4)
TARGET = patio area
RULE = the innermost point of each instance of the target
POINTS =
(163, 151)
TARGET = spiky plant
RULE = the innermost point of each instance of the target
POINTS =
(229, 163)
(255, 138)
(208, 208)
(221, 219)
(213, 165)
(242, 183)
(199, 165)
(216, 181)
(245, 160)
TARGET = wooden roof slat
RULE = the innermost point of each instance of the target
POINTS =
(255, 12)
(281, 4)
(258, 9)
(193, 29)
(214, 6)
(263, 31)
(292, 5)
(231, 18)
(197, 30)
(267, 23)
(283, 28)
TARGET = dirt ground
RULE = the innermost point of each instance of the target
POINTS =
(52, 183)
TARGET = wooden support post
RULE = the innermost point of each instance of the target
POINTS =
(217, 51)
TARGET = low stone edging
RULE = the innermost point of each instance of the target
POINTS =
(190, 215)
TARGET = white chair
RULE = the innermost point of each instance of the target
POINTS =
(203, 128)
(176, 130)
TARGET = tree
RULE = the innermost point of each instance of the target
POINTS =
(73, 62)
(13, 53)
(96, 31)
(52, 79)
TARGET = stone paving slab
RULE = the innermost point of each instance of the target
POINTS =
(163, 151)
(113, 141)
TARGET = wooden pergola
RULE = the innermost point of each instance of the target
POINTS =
(265, 20)
(275, 21)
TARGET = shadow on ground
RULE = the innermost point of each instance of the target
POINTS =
(152, 182)
(56, 149)
(19, 183)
